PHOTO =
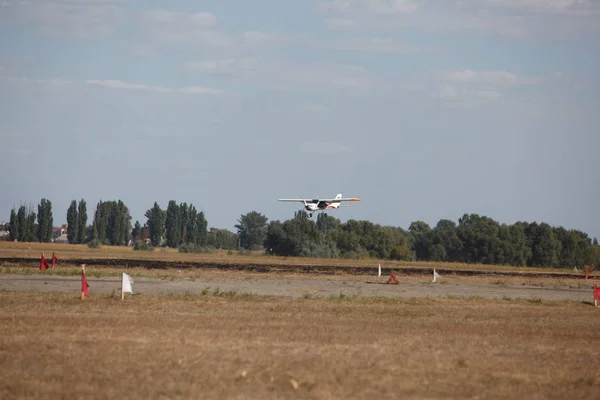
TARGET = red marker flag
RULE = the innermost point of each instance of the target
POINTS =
(43, 263)
(587, 272)
(393, 280)
(596, 295)
(54, 259)
(84, 285)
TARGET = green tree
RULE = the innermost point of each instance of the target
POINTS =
(184, 216)
(72, 222)
(82, 222)
(444, 234)
(401, 252)
(45, 221)
(221, 239)
(518, 250)
(101, 216)
(112, 223)
(22, 222)
(30, 226)
(14, 226)
(191, 228)
(201, 228)
(480, 238)
(298, 236)
(173, 224)
(156, 223)
(544, 245)
(420, 238)
(327, 223)
(252, 230)
(136, 232)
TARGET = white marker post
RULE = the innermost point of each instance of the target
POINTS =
(126, 285)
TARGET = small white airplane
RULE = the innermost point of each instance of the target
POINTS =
(315, 205)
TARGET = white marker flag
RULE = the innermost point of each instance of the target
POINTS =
(379, 270)
(435, 275)
(126, 284)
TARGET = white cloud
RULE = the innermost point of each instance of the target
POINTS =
(144, 50)
(182, 28)
(494, 78)
(391, 6)
(544, 19)
(447, 91)
(228, 67)
(116, 84)
(79, 19)
(580, 7)
(471, 88)
(283, 75)
(203, 29)
(324, 148)
(379, 45)
(376, 6)
(197, 28)
(466, 98)
(201, 20)
(31, 81)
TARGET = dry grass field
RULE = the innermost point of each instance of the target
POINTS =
(238, 346)
(67, 252)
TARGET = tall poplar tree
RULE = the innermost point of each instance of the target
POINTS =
(14, 226)
(156, 223)
(72, 223)
(173, 224)
(82, 222)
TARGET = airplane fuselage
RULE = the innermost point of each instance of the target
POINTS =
(316, 205)
(322, 204)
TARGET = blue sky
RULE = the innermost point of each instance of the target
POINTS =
(423, 109)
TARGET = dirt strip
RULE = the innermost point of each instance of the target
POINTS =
(289, 268)
(294, 287)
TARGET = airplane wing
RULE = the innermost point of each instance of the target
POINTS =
(340, 200)
(325, 200)
(296, 200)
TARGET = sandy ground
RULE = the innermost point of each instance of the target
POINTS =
(296, 286)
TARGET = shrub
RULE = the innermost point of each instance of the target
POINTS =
(94, 244)
(143, 246)
(400, 253)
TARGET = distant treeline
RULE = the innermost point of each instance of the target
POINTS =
(474, 239)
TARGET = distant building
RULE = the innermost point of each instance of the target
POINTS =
(60, 231)
(61, 239)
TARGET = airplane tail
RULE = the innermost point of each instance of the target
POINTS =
(337, 205)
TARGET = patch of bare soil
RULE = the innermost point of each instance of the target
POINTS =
(223, 345)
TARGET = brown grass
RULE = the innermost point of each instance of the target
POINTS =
(58, 346)
(65, 252)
